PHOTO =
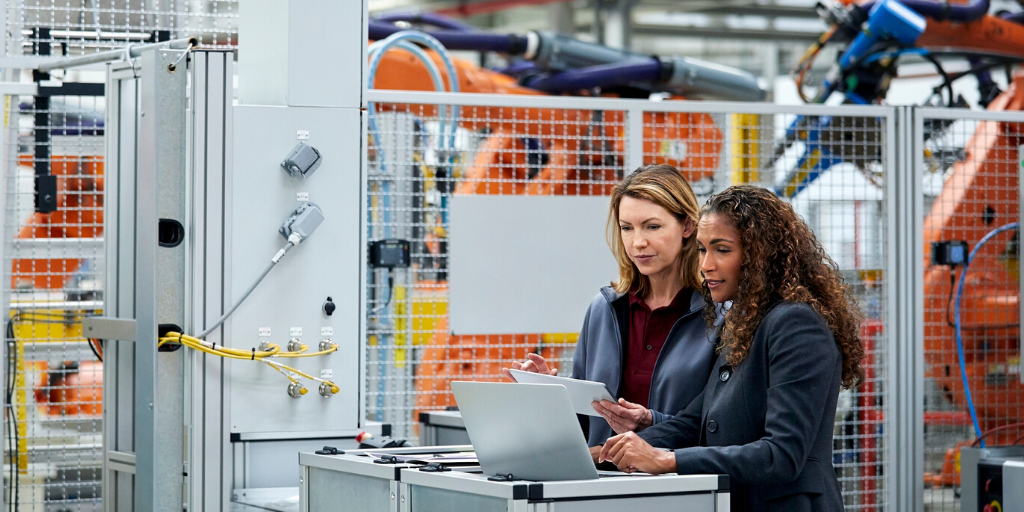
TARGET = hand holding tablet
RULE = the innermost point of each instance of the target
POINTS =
(581, 392)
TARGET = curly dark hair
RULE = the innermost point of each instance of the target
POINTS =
(782, 260)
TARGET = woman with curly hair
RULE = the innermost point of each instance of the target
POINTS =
(789, 343)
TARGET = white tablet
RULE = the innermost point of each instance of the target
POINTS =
(581, 392)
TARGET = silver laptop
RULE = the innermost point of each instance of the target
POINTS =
(527, 430)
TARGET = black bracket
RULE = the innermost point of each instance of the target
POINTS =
(503, 478)
(386, 459)
(329, 450)
(434, 467)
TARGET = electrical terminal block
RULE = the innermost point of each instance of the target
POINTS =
(296, 390)
(294, 345)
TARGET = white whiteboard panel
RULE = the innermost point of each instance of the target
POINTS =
(526, 264)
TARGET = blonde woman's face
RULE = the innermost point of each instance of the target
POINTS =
(652, 236)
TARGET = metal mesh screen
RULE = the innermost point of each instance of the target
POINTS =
(503, 150)
(76, 27)
(52, 273)
(970, 188)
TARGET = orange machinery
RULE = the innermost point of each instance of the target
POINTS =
(79, 215)
(983, 195)
(501, 167)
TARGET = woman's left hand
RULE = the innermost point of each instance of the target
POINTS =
(624, 416)
(630, 453)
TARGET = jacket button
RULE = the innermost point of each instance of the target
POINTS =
(724, 376)
(650, 347)
(712, 426)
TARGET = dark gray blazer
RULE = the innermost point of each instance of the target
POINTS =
(679, 374)
(768, 422)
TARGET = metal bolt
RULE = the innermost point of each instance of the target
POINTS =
(264, 346)
(403, 498)
(326, 344)
(392, 496)
(294, 345)
(151, 405)
(325, 390)
(142, 114)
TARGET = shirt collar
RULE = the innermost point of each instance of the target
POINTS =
(681, 302)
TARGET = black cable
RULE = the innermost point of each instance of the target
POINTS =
(946, 82)
(92, 347)
(12, 417)
(9, 338)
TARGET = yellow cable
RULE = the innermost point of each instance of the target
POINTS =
(192, 343)
(334, 348)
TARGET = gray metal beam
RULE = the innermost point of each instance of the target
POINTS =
(768, 34)
(768, 11)
(159, 282)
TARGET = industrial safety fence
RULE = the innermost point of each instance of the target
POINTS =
(877, 185)
(52, 277)
(66, 27)
(426, 151)
(968, 167)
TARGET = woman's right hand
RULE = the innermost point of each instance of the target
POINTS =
(534, 363)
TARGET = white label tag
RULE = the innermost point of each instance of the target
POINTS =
(302, 134)
(327, 331)
(302, 196)
(327, 373)
(295, 331)
(264, 331)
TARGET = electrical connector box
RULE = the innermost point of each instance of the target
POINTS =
(302, 161)
(950, 253)
(390, 254)
(304, 220)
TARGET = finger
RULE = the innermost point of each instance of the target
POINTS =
(630, 405)
(554, 371)
(516, 365)
(508, 374)
(608, 445)
(539, 361)
(529, 367)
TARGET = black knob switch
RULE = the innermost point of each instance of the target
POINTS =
(329, 307)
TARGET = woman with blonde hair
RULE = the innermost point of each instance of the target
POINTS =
(644, 336)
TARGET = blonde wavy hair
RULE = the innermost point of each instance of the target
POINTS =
(664, 186)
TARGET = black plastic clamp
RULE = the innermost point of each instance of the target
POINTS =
(434, 467)
(503, 478)
(329, 450)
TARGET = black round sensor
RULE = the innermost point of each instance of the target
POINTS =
(329, 307)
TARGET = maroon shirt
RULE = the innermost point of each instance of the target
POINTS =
(648, 331)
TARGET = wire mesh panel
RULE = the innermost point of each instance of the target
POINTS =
(52, 275)
(73, 27)
(418, 159)
(973, 390)
(831, 168)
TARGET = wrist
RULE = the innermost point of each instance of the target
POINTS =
(667, 462)
(646, 420)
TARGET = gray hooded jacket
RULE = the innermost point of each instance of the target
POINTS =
(680, 372)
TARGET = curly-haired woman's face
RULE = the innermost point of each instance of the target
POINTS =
(652, 237)
(721, 256)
